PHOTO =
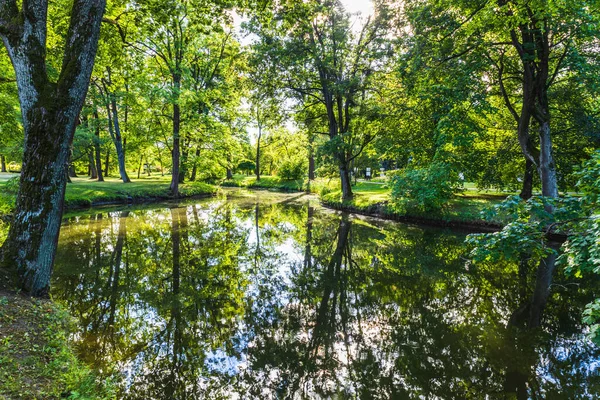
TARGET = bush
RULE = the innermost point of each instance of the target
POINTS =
(246, 166)
(292, 169)
(424, 189)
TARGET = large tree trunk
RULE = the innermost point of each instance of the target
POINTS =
(527, 189)
(97, 148)
(346, 183)
(49, 113)
(176, 127)
(547, 167)
(534, 50)
(3, 163)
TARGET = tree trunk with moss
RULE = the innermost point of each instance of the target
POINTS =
(49, 112)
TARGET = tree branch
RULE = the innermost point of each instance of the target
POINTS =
(558, 66)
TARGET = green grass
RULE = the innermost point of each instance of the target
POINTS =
(371, 197)
(36, 358)
(265, 182)
(83, 192)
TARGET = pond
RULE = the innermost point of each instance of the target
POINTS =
(264, 296)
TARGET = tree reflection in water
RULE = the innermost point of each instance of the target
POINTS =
(280, 299)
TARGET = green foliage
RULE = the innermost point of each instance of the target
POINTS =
(424, 189)
(581, 252)
(246, 166)
(293, 168)
(12, 185)
(527, 225)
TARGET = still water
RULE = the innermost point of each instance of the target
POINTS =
(269, 296)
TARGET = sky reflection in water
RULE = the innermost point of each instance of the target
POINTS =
(277, 298)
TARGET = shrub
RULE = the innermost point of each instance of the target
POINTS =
(246, 166)
(424, 189)
(292, 169)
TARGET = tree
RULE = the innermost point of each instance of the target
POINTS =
(323, 61)
(49, 110)
(109, 99)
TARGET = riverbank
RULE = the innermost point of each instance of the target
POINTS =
(371, 198)
(265, 182)
(37, 360)
(461, 212)
(85, 193)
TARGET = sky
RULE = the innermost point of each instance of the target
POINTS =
(365, 7)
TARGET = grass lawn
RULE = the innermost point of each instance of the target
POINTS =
(374, 197)
(83, 192)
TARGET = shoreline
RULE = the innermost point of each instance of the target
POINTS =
(377, 212)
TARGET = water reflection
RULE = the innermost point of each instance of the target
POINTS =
(281, 299)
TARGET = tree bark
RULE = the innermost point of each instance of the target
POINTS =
(115, 133)
(92, 165)
(97, 148)
(346, 183)
(547, 167)
(527, 189)
(107, 163)
(72, 172)
(49, 113)
(3, 163)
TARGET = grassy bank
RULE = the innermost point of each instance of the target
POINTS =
(83, 192)
(265, 182)
(373, 198)
(36, 359)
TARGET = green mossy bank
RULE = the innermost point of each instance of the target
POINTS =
(36, 358)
